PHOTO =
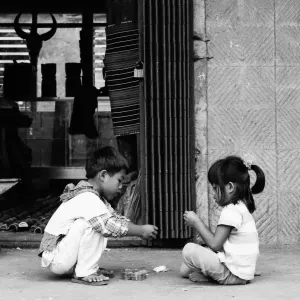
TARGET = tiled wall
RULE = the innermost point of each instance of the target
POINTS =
(247, 102)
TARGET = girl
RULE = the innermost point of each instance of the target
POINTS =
(234, 247)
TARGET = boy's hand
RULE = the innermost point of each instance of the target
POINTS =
(149, 231)
(190, 218)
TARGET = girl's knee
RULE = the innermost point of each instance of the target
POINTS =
(188, 252)
(189, 249)
(184, 271)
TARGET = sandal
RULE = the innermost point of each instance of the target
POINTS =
(95, 283)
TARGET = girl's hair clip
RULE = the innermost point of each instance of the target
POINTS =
(248, 161)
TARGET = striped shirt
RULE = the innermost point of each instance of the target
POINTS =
(87, 205)
(241, 249)
(109, 224)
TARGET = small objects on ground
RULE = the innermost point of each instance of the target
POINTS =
(134, 274)
(161, 269)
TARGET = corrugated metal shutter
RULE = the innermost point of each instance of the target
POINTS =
(167, 115)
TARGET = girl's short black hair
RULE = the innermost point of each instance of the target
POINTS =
(232, 169)
(107, 158)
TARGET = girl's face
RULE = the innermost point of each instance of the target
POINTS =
(228, 193)
(216, 193)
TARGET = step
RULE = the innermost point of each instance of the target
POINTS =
(33, 240)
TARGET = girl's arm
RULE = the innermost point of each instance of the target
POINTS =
(216, 240)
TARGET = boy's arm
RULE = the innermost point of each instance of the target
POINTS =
(114, 213)
(110, 225)
(144, 231)
(117, 215)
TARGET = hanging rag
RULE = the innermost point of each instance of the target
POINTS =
(82, 119)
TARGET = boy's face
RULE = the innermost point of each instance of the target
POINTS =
(112, 184)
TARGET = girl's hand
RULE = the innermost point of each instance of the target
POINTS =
(190, 218)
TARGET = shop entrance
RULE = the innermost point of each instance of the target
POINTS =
(149, 119)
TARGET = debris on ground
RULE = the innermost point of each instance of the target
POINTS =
(161, 269)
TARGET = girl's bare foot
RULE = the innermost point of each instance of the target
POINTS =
(198, 277)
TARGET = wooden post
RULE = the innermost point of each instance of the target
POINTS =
(86, 49)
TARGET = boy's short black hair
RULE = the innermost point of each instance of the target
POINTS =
(106, 158)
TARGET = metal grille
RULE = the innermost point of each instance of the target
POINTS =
(12, 47)
(167, 115)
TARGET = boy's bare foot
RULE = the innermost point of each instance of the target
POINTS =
(198, 277)
(93, 279)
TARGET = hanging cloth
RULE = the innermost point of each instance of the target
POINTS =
(82, 119)
(122, 54)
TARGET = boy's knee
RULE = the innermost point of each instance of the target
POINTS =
(60, 269)
(80, 224)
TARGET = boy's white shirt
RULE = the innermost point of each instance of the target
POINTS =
(241, 249)
(84, 205)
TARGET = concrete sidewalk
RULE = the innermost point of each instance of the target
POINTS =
(22, 278)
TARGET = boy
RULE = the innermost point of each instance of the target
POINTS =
(76, 235)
